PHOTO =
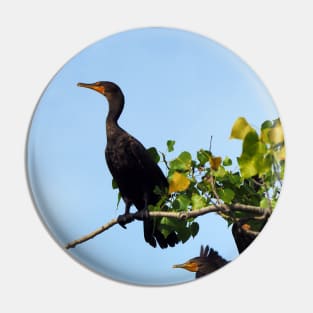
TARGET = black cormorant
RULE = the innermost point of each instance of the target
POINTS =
(132, 167)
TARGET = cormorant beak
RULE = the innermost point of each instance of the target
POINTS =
(189, 266)
(94, 86)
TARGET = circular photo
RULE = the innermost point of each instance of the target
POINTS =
(155, 156)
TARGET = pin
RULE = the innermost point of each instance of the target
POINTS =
(173, 137)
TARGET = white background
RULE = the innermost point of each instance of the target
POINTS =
(274, 38)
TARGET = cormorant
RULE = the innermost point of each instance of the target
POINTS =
(208, 262)
(132, 168)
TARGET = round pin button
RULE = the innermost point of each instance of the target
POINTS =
(155, 156)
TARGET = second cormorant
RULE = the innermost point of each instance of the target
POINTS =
(207, 262)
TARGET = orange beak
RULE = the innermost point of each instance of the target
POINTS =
(94, 86)
(189, 266)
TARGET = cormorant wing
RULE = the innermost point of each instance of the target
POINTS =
(152, 171)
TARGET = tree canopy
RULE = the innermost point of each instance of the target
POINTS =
(244, 191)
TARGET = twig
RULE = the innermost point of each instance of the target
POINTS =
(164, 160)
(251, 232)
(178, 215)
(257, 183)
(210, 146)
(212, 183)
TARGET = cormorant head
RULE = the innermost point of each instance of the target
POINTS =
(108, 89)
(208, 261)
(192, 265)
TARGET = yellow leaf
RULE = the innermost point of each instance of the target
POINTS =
(276, 134)
(240, 129)
(280, 155)
(178, 182)
(215, 163)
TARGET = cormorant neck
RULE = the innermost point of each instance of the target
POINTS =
(116, 105)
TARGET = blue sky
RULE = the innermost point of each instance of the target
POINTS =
(177, 85)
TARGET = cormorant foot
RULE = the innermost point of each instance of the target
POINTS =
(125, 219)
(142, 215)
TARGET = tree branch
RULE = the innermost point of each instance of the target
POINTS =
(212, 183)
(222, 207)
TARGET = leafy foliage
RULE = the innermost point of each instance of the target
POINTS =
(208, 179)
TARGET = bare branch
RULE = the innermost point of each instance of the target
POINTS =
(178, 215)
(92, 235)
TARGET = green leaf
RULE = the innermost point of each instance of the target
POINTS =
(184, 234)
(170, 145)
(167, 225)
(264, 203)
(264, 135)
(197, 201)
(266, 124)
(226, 194)
(203, 156)
(185, 157)
(181, 203)
(119, 197)
(235, 179)
(154, 154)
(182, 162)
(247, 166)
(158, 191)
(175, 205)
(220, 173)
(171, 222)
(252, 145)
(194, 229)
(203, 186)
(227, 161)
(254, 158)
(152, 208)
(264, 163)
(114, 184)
(240, 129)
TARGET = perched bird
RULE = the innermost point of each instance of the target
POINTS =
(132, 168)
(208, 262)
